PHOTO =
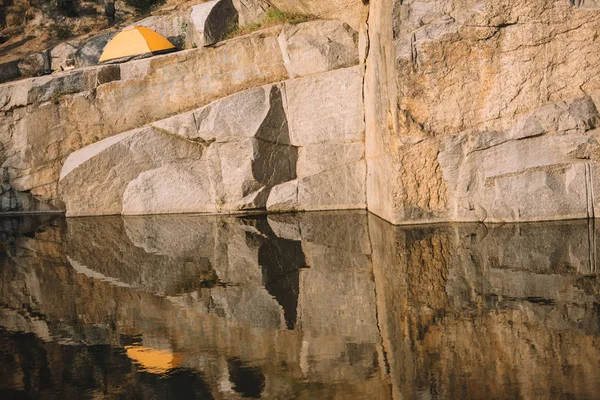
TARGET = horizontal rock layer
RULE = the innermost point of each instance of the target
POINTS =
(297, 145)
(45, 119)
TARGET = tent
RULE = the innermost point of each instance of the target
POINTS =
(135, 42)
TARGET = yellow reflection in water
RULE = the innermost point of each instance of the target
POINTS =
(152, 360)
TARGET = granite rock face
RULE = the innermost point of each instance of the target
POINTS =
(45, 119)
(250, 11)
(238, 153)
(318, 47)
(327, 124)
(475, 110)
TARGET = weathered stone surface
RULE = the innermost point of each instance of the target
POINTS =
(250, 11)
(247, 144)
(94, 179)
(318, 46)
(49, 117)
(9, 71)
(340, 188)
(232, 177)
(452, 88)
(325, 108)
(210, 22)
(541, 168)
(254, 113)
(223, 168)
(327, 123)
(34, 64)
(62, 56)
(380, 101)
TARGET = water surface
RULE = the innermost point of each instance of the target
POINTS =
(307, 306)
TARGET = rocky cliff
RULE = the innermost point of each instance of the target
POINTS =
(482, 110)
(420, 111)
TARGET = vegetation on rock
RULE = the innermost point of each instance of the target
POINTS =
(271, 18)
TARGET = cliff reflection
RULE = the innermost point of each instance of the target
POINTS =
(316, 305)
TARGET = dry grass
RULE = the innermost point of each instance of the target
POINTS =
(271, 18)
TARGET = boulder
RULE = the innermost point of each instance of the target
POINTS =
(90, 50)
(62, 56)
(94, 178)
(254, 113)
(232, 168)
(34, 64)
(210, 22)
(318, 46)
(232, 177)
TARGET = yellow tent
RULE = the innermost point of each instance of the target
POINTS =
(133, 42)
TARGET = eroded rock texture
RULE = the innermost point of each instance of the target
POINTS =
(488, 103)
(45, 119)
(227, 156)
(223, 157)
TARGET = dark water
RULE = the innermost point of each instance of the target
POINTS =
(313, 306)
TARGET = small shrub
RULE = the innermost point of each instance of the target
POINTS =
(184, 25)
(271, 18)
(69, 8)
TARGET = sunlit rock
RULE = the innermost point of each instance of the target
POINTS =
(318, 46)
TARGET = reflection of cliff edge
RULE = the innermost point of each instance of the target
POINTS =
(452, 303)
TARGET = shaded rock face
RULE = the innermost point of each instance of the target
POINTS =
(344, 303)
(239, 153)
(480, 109)
(330, 135)
(210, 22)
(90, 51)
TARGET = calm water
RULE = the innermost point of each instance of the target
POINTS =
(312, 306)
